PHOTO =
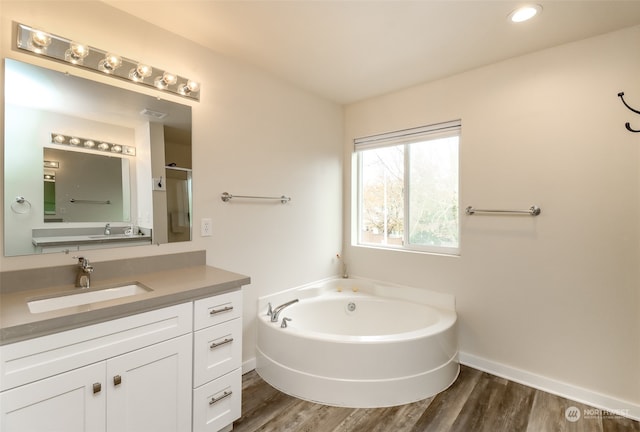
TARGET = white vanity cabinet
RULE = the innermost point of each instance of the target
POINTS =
(129, 374)
(217, 361)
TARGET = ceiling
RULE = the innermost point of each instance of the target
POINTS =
(351, 50)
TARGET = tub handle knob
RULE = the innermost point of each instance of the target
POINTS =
(284, 322)
(270, 310)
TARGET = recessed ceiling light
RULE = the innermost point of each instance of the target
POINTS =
(525, 13)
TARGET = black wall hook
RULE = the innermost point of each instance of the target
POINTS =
(627, 124)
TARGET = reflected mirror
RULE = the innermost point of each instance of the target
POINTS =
(84, 187)
(74, 194)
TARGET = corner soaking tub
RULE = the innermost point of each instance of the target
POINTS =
(358, 343)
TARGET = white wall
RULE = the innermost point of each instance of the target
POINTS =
(252, 135)
(557, 295)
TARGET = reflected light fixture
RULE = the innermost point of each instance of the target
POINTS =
(52, 164)
(89, 144)
(525, 13)
(108, 63)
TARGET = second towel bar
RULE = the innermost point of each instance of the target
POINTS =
(226, 197)
(534, 210)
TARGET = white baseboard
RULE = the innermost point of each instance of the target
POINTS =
(248, 365)
(559, 388)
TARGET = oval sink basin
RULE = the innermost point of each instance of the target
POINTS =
(81, 297)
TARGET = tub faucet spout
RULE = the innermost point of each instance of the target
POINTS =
(276, 312)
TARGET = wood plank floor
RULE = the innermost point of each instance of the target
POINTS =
(476, 402)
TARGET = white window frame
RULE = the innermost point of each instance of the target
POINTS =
(403, 137)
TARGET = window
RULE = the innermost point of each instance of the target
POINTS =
(408, 189)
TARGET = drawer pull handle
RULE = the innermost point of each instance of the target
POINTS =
(97, 387)
(216, 345)
(117, 380)
(224, 309)
(218, 399)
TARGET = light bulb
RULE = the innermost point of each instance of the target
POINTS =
(110, 63)
(76, 53)
(140, 72)
(59, 139)
(74, 141)
(164, 81)
(131, 151)
(103, 146)
(189, 87)
(89, 144)
(39, 41)
(116, 149)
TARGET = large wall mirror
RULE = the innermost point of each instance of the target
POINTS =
(88, 165)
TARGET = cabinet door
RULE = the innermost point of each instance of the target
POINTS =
(70, 402)
(150, 389)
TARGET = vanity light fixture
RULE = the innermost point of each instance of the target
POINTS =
(105, 62)
(525, 13)
(89, 144)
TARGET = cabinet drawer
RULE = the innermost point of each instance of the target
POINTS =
(217, 350)
(217, 404)
(34, 359)
(217, 309)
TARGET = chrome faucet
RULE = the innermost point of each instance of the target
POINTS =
(276, 312)
(83, 277)
(107, 229)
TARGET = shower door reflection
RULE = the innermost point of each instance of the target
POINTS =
(179, 201)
